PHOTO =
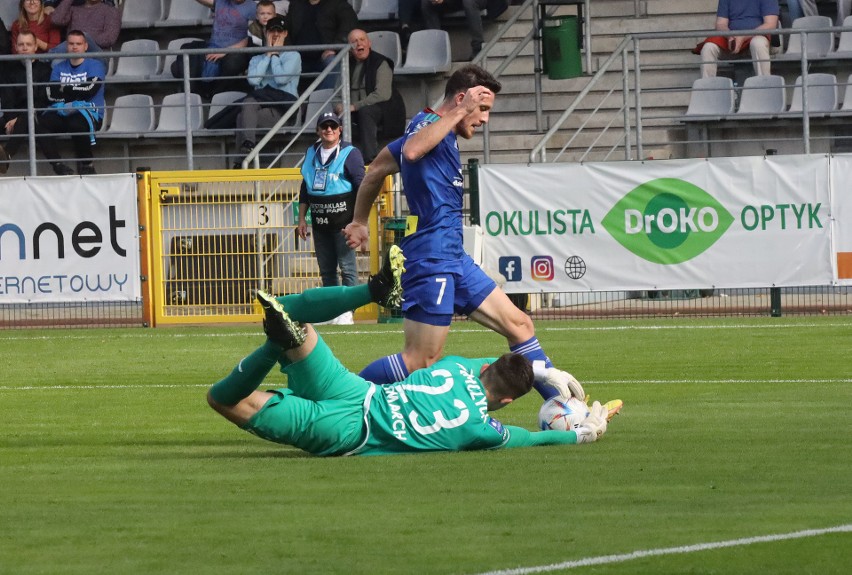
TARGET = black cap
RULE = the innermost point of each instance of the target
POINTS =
(329, 117)
(277, 23)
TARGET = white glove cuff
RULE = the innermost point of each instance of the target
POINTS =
(539, 370)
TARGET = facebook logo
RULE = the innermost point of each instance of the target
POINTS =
(510, 267)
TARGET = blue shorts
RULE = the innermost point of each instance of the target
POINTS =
(435, 289)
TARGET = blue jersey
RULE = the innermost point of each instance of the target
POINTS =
(84, 73)
(434, 188)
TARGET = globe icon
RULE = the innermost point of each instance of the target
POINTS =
(575, 267)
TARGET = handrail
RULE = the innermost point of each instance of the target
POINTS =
(537, 154)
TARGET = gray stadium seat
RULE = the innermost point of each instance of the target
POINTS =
(9, 12)
(141, 13)
(221, 100)
(711, 97)
(822, 94)
(186, 13)
(172, 120)
(387, 44)
(762, 96)
(819, 43)
(137, 68)
(429, 52)
(174, 45)
(317, 106)
(131, 115)
(844, 46)
(376, 9)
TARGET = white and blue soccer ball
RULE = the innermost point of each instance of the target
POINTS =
(562, 414)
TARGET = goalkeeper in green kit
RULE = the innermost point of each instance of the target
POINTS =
(327, 410)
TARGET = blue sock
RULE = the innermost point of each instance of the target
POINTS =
(531, 349)
(388, 369)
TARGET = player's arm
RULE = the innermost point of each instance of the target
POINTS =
(357, 232)
(426, 138)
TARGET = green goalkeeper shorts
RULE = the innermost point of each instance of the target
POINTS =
(321, 411)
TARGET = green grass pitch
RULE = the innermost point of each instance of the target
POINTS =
(111, 461)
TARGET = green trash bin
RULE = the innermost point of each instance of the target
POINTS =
(394, 230)
(561, 48)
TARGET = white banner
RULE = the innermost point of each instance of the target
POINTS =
(677, 224)
(69, 239)
(841, 191)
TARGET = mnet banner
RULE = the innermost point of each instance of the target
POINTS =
(675, 224)
(69, 239)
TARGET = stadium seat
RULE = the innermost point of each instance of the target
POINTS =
(131, 115)
(846, 106)
(819, 43)
(822, 95)
(317, 106)
(387, 44)
(9, 12)
(762, 96)
(186, 13)
(172, 120)
(222, 99)
(173, 46)
(137, 68)
(377, 10)
(844, 46)
(141, 13)
(711, 97)
(429, 52)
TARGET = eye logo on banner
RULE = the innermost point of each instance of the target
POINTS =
(667, 221)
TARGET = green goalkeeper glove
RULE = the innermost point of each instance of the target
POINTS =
(594, 425)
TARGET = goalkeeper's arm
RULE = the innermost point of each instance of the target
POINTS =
(588, 431)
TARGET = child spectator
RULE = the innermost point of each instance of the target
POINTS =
(257, 28)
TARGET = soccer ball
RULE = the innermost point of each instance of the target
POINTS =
(562, 414)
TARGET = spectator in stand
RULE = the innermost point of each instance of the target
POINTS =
(740, 15)
(374, 101)
(32, 18)
(99, 21)
(275, 79)
(76, 91)
(230, 30)
(409, 20)
(50, 5)
(4, 41)
(432, 11)
(257, 28)
(320, 22)
(14, 96)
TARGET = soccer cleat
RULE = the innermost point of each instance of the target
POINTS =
(277, 325)
(612, 408)
(386, 286)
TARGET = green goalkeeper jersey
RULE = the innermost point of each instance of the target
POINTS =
(443, 408)
(440, 408)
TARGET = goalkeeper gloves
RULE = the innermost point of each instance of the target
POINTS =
(565, 384)
(591, 428)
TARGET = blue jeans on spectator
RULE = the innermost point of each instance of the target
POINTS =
(331, 250)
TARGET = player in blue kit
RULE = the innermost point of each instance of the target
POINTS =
(327, 410)
(440, 278)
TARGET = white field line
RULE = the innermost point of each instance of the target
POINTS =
(165, 333)
(608, 559)
(587, 382)
(591, 382)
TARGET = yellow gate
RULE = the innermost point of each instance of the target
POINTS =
(211, 239)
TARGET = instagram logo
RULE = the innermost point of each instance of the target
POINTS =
(542, 268)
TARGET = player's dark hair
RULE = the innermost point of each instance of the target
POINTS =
(468, 77)
(510, 376)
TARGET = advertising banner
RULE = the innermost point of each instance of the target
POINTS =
(674, 224)
(841, 190)
(69, 239)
